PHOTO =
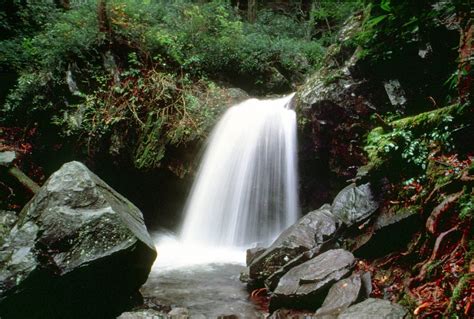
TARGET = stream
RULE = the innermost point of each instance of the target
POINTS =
(205, 281)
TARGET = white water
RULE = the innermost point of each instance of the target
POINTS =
(246, 188)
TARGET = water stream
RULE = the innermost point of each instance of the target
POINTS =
(245, 190)
(245, 193)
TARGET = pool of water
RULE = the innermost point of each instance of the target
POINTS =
(205, 281)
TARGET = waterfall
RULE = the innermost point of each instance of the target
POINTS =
(245, 191)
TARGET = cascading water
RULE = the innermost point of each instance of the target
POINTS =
(246, 189)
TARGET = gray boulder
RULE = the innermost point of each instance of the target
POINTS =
(253, 253)
(310, 231)
(306, 285)
(391, 231)
(341, 295)
(375, 309)
(272, 281)
(78, 250)
(7, 220)
(354, 204)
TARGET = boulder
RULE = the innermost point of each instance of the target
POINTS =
(310, 231)
(78, 250)
(354, 204)
(342, 294)
(392, 230)
(253, 253)
(7, 158)
(306, 285)
(7, 220)
(272, 281)
(375, 308)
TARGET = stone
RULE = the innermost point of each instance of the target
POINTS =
(392, 230)
(354, 204)
(341, 295)
(395, 92)
(272, 281)
(7, 158)
(290, 314)
(306, 285)
(253, 253)
(179, 313)
(7, 220)
(376, 309)
(78, 250)
(310, 231)
(143, 314)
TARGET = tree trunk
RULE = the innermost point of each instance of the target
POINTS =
(252, 11)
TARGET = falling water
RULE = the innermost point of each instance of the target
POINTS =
(245, 190)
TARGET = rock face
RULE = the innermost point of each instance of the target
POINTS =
(341, 295)
(309, 232)
(375, 308)
(305, 286)
(78, 250)
(354, 204)
(335, 104)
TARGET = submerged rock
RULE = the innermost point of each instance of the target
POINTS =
(78, 250)
(354, 204)
(306, 285)
(308, 232)
(375, 308)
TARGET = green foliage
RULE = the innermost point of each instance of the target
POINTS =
(466, 204)
(326, 17)
(403, 22)
(411, 139)
(459, 291)
(139, 70)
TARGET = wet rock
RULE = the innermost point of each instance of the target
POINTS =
(306, 285)
(310, 231)
(7, 220)
(341, 295)
(142, 314)
(392, 230)
(253, 253)
(179, 313)
(336, 103)
(395, 92)
(366, 279)
(375, 308)
(272, 281)
(7, 158)
(354, 204)
(290, 314)
(79, 249)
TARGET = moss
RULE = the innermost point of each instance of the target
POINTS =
(466, 204)
(427, 121)
(407, 301)
(459, 291)
(410, 139)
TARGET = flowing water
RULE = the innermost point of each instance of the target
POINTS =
(245, 193)
(245, 190)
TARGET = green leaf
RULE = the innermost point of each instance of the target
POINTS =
(385, 5)
(374, 21)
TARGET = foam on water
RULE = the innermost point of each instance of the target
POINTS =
(246, 189)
